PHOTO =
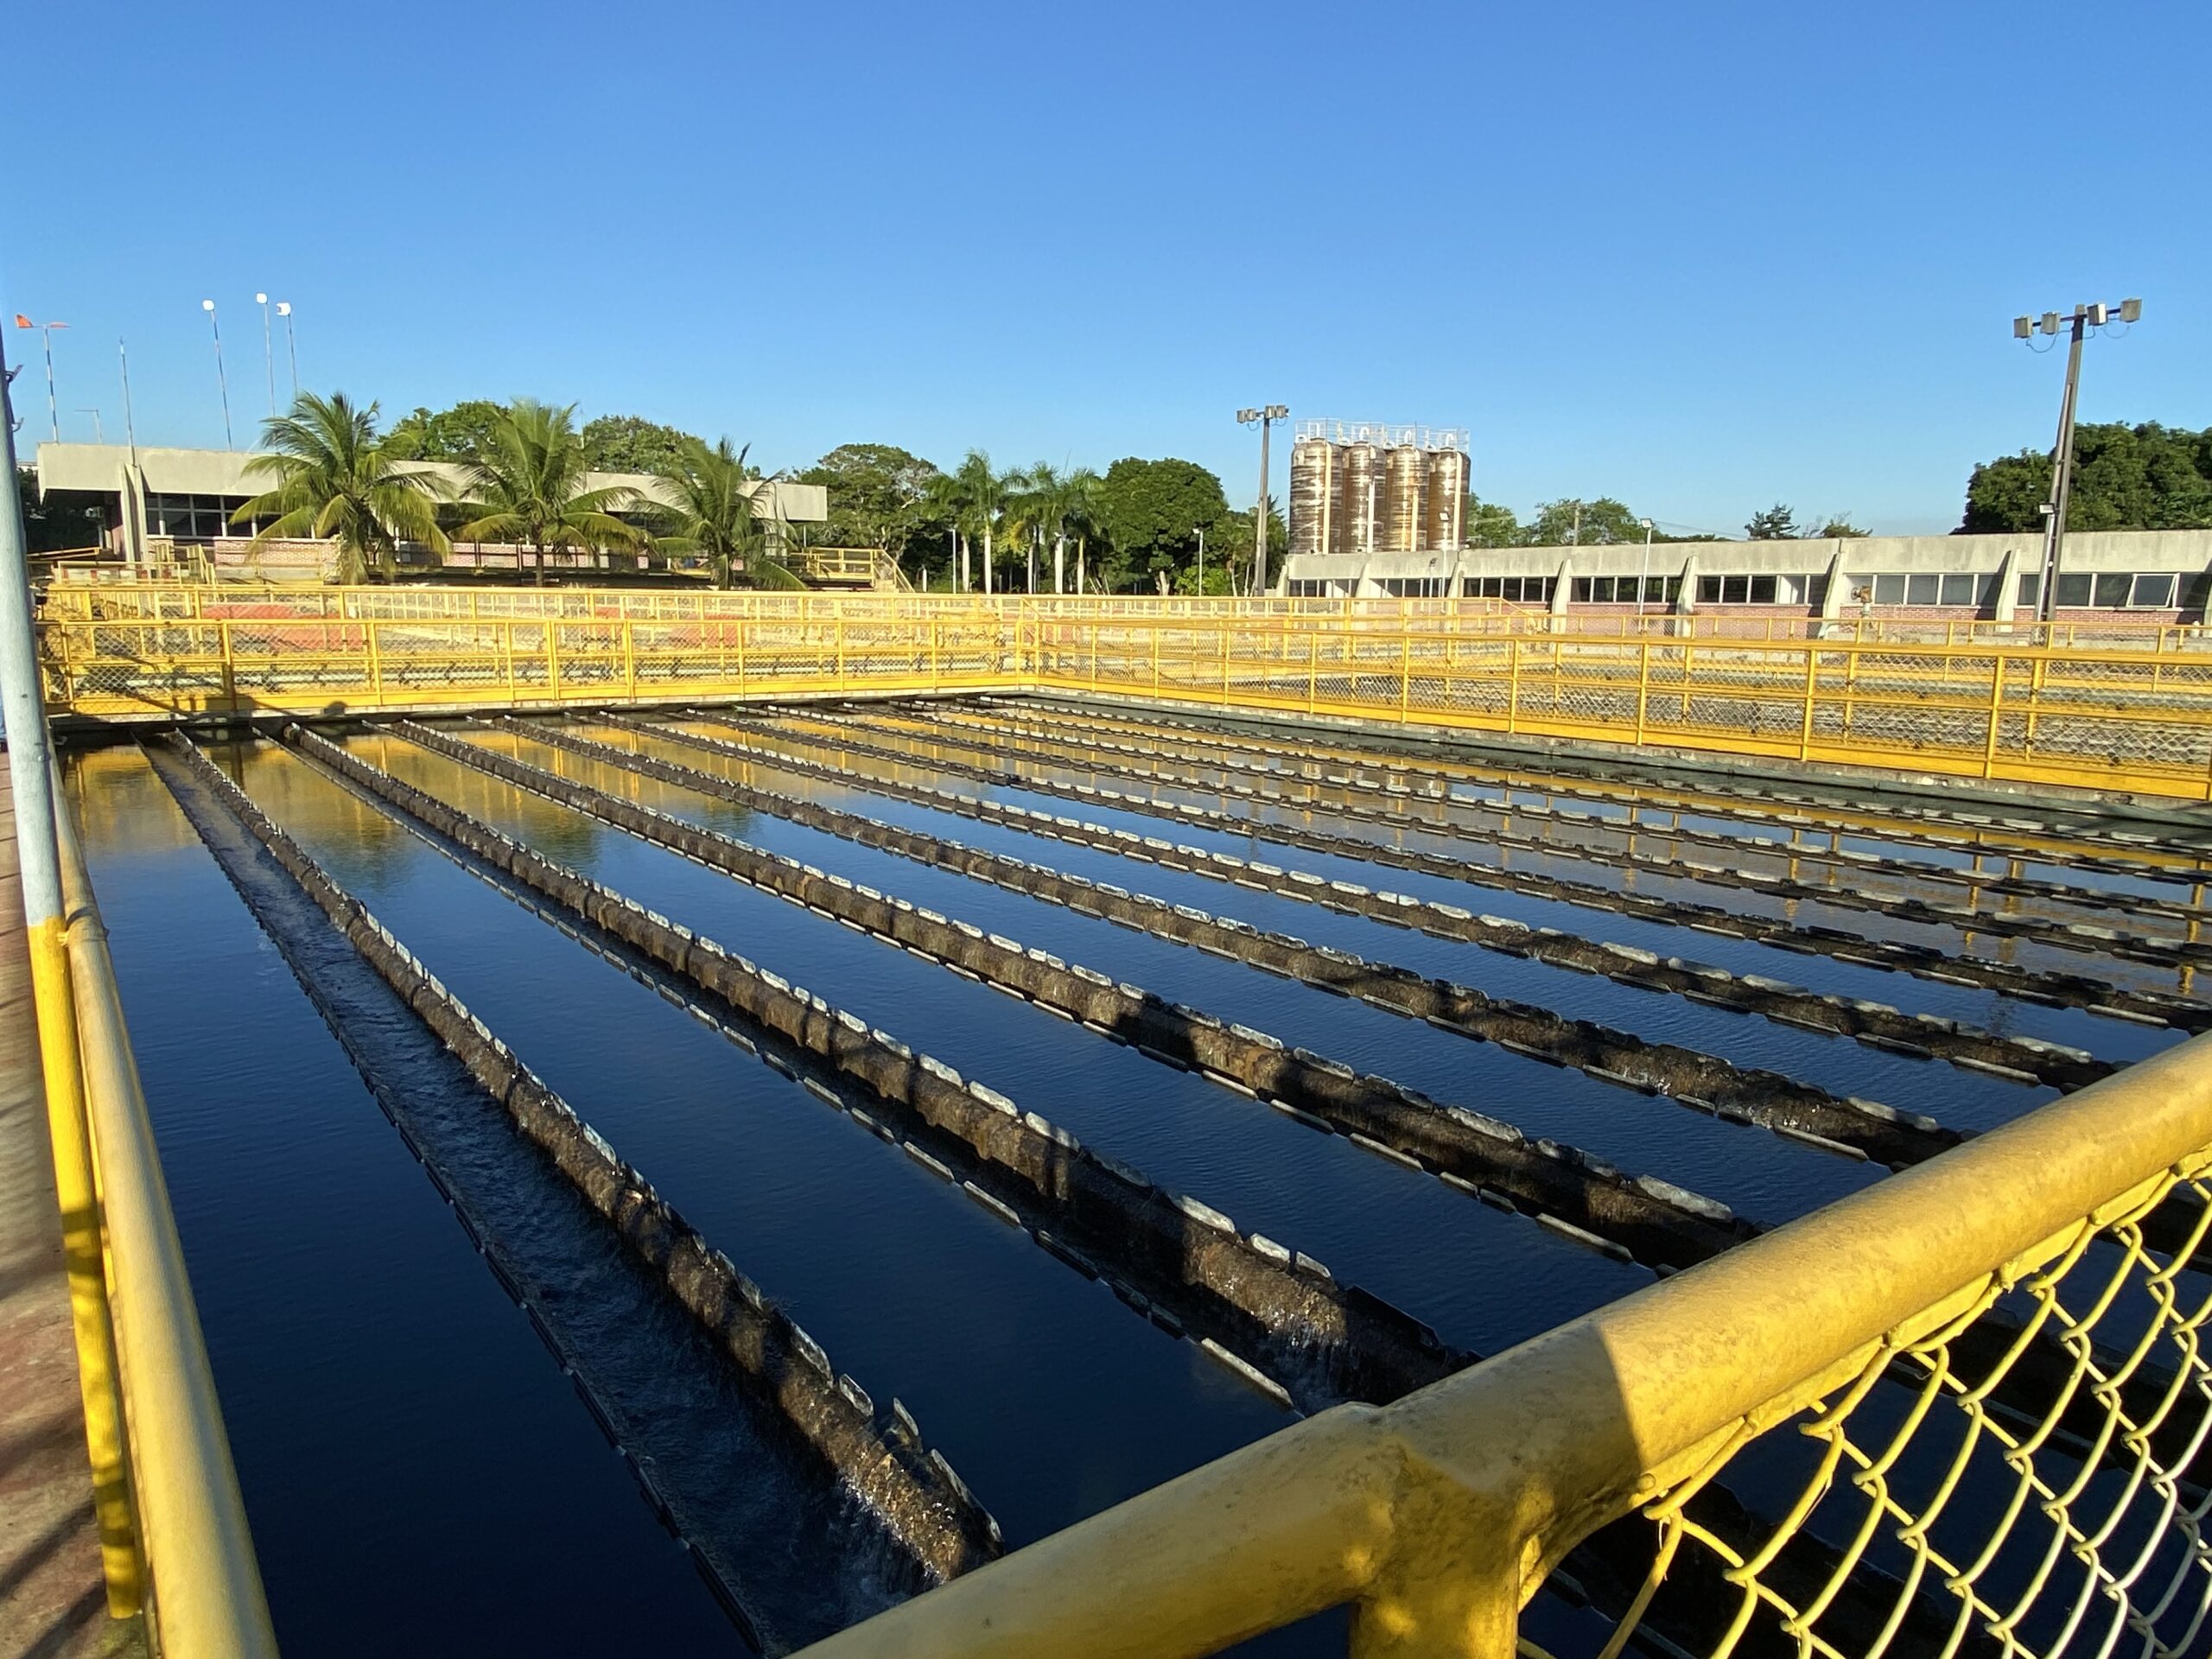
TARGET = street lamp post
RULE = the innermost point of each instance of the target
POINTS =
(1266, 417)
(1644, 580)
(52, 415)
(222, 380)
(99, 434)
(2084, 318)
(1202, 561)
(291, 344)
(268, 351)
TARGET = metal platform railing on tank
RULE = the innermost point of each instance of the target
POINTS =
(1963, 1411)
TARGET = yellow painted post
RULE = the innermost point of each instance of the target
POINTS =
(629, 658)
(84, 1253)
(1812, 687)
(1512, 683)
(553, 658)
(1642, 687)
(1312, 669)
(1155, 660)
(839, 635)
(1405, 677)
(1996, 722)
(230, 667)
(369, 625)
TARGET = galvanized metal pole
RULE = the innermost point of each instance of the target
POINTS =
(1260, 515)
(30, 777)
(2062, 458)
(52, 415)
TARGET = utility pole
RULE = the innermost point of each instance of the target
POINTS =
(52, 415)
(1202, 561)
(1644, 580)
(223, 383)
(2082, 318)
(1266, 417)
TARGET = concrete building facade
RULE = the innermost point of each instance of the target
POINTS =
(2151, 575)
(159, 505)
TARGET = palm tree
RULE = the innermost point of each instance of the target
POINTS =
(336, 479)
(984, 492)
(528, 485)
(712, 516)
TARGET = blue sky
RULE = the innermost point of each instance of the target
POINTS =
(1699, 256)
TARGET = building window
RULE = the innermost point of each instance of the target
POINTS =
(2072, 590)
(2154, 590)
(2031, 590)
(2196, 591)
(197, 518)
(2112, 590)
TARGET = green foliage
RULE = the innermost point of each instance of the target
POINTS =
(1838, 526)
(2146, 477)
(334, 478)
(629, 443)
(879, 496)
(713, 518)
(1602, 523)
(1151, 512)
(527, 485)
(1490, 525)
(455, 434)
(1778, 524)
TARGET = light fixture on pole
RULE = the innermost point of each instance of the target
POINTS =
(268, 351)
(2082, 318)
(222, 380)
(1643, 582)
(52, 416)
(291, 344)
(1266, 417)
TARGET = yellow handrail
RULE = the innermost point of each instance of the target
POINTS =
(1439, 1516)
(203, 1590)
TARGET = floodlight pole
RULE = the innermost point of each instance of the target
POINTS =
(1267, 416)
(2084, 318)
(222, 380)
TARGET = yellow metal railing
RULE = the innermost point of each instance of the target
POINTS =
(173, 1540)
(1963, 1411)
(2105, 718)
(124, 600)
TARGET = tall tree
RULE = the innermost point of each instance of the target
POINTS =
(1603, 522)
(984, 492)
(455, 434)
(629, 443)
(1152, 512)
(2146, 477)
(715, 515)
(879, 496)
(1778, 524)
(527, 485)
(333, 479)
(1490, 525)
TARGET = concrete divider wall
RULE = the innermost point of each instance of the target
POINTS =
(1705, 1082)
(1811, 939)
(1170, 1255)
(880, 1455)
(1651, 1220)
(1772, 802)
(1395, 797)
(1878, 1023)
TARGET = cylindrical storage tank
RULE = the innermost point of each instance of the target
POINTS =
(1361, 501)
(1403, 475)
(1314, 495)
(1444, 523)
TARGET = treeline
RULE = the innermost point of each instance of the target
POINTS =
(2146, 477)
(1605, 522)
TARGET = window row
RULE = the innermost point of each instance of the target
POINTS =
(1931, 588)
(1763, 590)
(197, 518)
(1622, 590)
(1521, 591)
(2145, 590)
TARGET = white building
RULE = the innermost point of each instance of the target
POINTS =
(2140, 575)
(159, 505)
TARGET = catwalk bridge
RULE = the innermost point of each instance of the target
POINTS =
(1075, 1128)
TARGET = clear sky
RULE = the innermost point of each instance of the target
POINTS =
(1699, 256)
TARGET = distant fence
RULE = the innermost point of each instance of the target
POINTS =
(2110, 718)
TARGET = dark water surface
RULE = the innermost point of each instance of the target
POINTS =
(422, 1478)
